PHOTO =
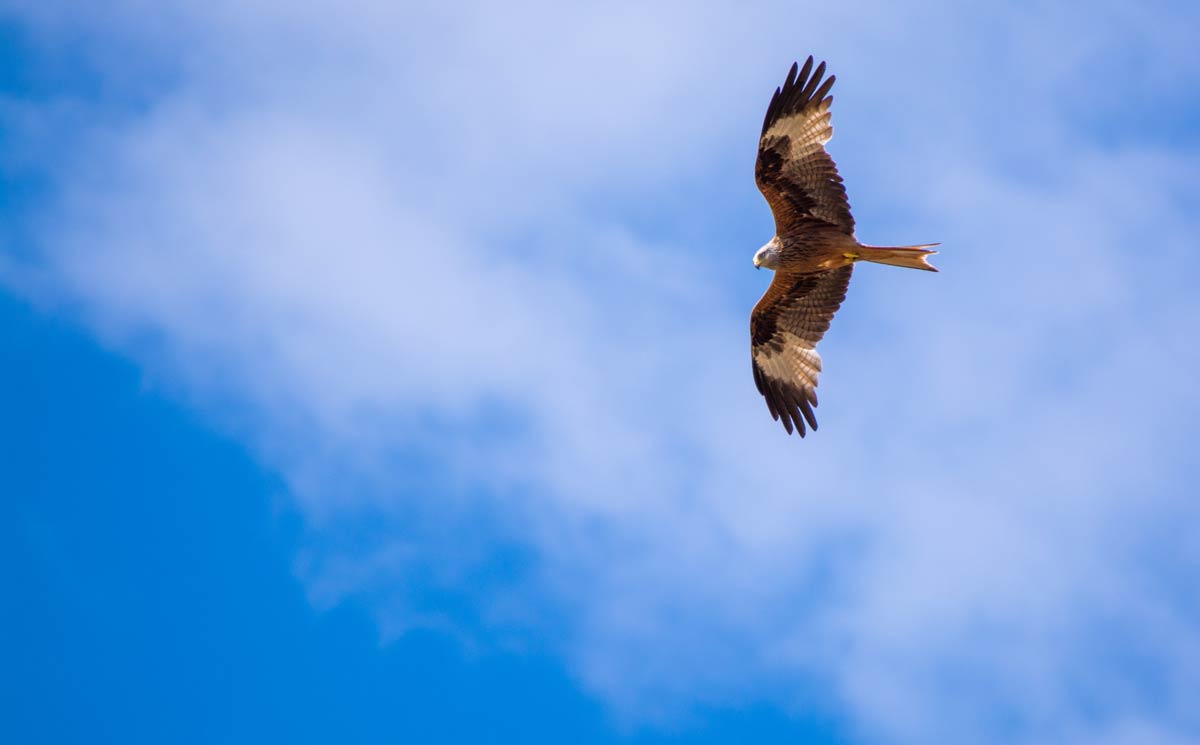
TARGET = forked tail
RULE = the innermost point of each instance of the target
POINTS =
(913, 257)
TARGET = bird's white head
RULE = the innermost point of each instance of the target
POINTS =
(768, 255)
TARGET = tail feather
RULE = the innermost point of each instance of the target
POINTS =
(912, 257)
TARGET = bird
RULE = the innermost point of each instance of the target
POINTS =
(814, 249)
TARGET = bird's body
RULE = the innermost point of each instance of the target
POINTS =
(814, 249)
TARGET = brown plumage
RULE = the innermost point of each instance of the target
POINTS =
(814, 248)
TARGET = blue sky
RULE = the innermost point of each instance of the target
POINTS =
(379, 372)
(149, 596)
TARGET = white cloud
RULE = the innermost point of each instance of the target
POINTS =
(467, 281)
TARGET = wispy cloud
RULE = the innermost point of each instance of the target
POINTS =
(476, 284)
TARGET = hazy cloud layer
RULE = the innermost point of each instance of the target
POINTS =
(476, 284)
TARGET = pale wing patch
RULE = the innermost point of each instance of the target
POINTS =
(807, 130)
(798, 363)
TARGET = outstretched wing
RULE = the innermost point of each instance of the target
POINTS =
(794, 173)
(785, 327)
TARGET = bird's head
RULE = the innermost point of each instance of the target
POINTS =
(768, 255)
